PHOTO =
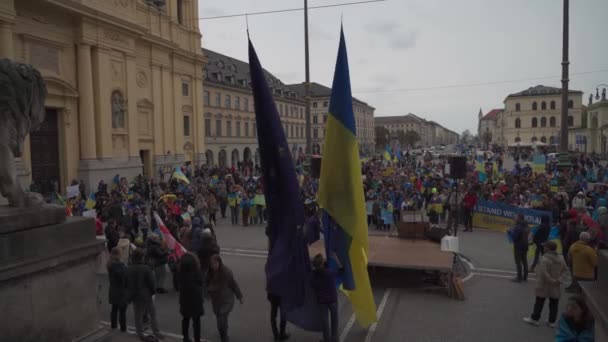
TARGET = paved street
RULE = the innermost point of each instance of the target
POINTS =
(492, 310)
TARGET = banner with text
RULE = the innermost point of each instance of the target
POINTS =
(500, 216)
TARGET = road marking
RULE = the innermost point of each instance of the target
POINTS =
(347, 328)
(131, 330)
(499, 276)
(471, 269)
(252, 251)
(495, 270)
(245, 255)
(372, 328)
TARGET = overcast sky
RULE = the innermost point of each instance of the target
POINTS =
(405, 44)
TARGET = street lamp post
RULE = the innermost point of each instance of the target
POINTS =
(563, 141)
(307, 81)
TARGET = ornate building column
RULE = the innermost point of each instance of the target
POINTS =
(7, 49)
(86, 103)
(132, 107)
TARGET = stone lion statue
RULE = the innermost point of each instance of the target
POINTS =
(22, 96)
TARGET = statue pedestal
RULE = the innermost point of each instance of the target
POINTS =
(48, 285)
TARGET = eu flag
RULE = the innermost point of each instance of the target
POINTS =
(288, 265)
(341, 194)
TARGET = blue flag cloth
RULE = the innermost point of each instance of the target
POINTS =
(288, 268)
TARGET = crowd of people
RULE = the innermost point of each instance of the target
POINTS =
(574, 199)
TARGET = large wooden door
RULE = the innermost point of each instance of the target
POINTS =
(45, 155)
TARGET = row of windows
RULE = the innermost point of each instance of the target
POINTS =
(543, 122)
(284, 109)
(552, 140)
(543, 105)
(292, 131)
(316, 104)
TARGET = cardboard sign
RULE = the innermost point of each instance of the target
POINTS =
(72, 191)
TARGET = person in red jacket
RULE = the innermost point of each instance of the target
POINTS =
(469, 202)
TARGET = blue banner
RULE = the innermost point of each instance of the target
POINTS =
(501, 216)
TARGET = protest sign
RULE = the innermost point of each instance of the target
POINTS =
(500, 216)
(72, 191)
(259, 199)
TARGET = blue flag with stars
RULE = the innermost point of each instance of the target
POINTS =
(288, 268)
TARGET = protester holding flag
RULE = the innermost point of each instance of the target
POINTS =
(324, 284)
(234, 203)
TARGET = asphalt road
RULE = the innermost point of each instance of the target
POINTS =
(492, 311)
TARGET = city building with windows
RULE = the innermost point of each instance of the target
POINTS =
(430, 132)
(597, 124)
(533, 115)
(230, 126)
(319, 108)
(124, 81)
(488, 126)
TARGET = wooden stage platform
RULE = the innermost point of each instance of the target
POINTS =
(394, 252)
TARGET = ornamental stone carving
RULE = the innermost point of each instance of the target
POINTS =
(141, 79)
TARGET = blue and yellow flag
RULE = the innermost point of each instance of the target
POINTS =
(179, 175)
(341, 195)
(387, 153)
(115, 182)
(91, 201)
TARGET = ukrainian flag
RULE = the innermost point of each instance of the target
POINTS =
(91, 201)
(341, 195)
(387, 153)
(179, 175)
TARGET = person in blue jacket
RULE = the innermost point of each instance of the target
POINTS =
(576, 324)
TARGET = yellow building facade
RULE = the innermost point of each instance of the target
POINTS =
(124, 80)
(534, 115)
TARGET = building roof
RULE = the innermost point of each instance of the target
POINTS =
(317, 90)
(492, 115)
(540, 90)
(235, 73)
(408, 118)
(399, 118)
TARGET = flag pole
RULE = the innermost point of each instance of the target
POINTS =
(307, 81)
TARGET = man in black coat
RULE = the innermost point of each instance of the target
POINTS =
(140, 285)
(519, 235)
(541, 236)
(190, 295)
